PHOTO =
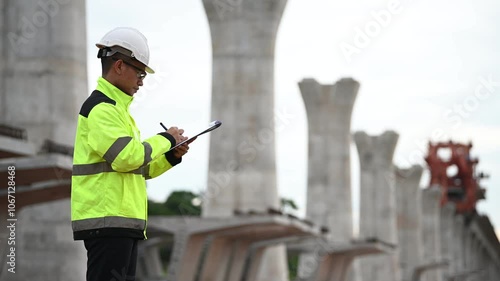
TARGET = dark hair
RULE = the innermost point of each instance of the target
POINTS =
(106, 63)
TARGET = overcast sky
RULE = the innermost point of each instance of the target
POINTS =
(427, 69)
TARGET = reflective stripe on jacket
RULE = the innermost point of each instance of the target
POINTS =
(110, 165)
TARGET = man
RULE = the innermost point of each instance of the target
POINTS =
(111, 164)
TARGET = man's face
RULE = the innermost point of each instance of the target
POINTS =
(132, 76)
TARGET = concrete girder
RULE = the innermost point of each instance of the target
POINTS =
(12, 147)
(228, 237)
(331, 261)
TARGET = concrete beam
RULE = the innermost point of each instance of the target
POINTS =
(331, 261)
(378, 202)
(420, 270)
(39, 179)
(229, 237)
(409, 218)
(39, 168)
(12, 147)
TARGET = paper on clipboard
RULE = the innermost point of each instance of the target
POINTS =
(212, 126)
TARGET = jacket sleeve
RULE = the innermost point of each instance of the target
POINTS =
(161, 165)
(109, 137)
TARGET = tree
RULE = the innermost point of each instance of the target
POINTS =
(178, 203)
(287, 205)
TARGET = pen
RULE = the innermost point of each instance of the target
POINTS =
(163, 126)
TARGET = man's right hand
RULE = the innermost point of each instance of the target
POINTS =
(177, 134)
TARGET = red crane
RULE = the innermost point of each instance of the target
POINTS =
(460, 184)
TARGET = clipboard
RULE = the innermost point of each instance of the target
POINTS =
(212, 126)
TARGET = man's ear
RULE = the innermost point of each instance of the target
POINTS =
(118, 66)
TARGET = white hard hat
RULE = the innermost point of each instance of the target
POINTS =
(130, 39)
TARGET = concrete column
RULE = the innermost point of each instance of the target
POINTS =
(470, 263)
(242, 155)
(475, 260)
(446, 222)
(152, 262)
(5, 234)
(45, 247)
(378, 202)
(431, 231)
(458, 264)
(42, 86)
(44, 67)
(409, 209)
(483, 259)
(329, 171)
(329, 109)
(3, 42)
(242, 168)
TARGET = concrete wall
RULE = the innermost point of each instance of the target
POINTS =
(378, 202)
(409, 219)
(242, 169)
(44, 79)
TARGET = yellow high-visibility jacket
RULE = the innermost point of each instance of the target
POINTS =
(110, 166)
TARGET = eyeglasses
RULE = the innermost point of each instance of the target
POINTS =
(141, 74)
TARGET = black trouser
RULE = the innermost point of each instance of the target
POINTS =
(111, 259)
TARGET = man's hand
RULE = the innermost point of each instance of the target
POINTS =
(181, 150)
(177, 134)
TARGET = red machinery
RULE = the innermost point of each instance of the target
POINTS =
(462, 186)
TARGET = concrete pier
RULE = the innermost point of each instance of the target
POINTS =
(329, 109)
(457, 262)
(447, 217)
(44, 74)
(329, 170)
(378, 202)
(409, 219)
(43, 83)
(219, 248)
(242, 168)
(431, 231)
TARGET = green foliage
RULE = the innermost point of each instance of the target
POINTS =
(287, 205)
(293, 266)
(178, 203)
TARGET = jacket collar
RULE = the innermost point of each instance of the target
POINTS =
(113, 92)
